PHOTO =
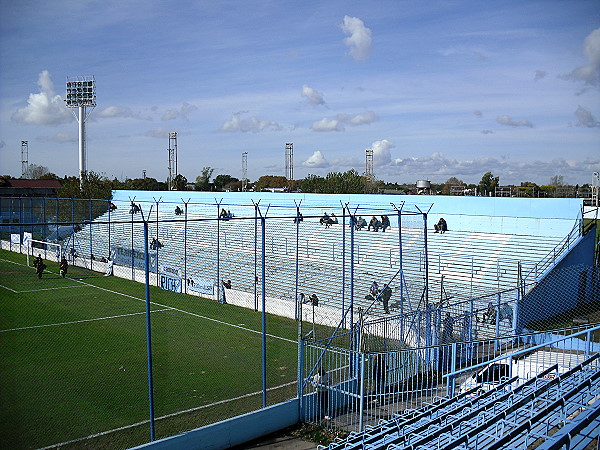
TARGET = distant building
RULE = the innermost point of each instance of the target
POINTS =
(10, 187)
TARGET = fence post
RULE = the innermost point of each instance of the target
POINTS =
(132, 251)
(91, 240)
(344, 254)
(255, 256)
(588, 340)
(109, 227)
(361, 420)
(148, 329)
(351, 305)
(497, 331)
(300, 374)
(185, 224)
(57, 216)
(218, 282)
(298, 310)
(264, 317)
(426, 260)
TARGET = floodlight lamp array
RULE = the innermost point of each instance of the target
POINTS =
(81, 93)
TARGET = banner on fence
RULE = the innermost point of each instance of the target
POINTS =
(15, 238)
(122, 256)
(200, 285)
(170, 270)
(169, 283)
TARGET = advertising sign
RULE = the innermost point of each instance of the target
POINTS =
(170, 283)
(200, 285)
(122, 256)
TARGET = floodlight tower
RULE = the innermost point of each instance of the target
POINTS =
(595, 188)
(172, 160)
(289, 160)
(24, 159)
(244, 171)
(369, 165)
(81, 94)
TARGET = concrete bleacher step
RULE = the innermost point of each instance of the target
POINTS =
(461, 265)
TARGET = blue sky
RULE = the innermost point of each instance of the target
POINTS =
(437, 89)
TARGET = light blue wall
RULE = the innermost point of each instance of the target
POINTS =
(235, 431)
(562, 284)
(528, 216)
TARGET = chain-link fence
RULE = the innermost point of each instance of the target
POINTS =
(403, 362)
(256, 278)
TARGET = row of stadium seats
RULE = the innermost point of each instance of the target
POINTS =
(544, 409)
(462, 265)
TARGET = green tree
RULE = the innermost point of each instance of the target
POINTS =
(180, 183)
(270, 181)
(488, 184)
(203, 180)
(92, 185)
(557, 180)
(313, 183)
(141, 184)
(36, 172)
(452, 181)
(222, 181)
(350, 182)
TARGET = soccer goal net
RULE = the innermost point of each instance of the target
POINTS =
(48, 250)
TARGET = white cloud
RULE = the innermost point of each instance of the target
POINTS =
(181, 112)
(438, 168)
(316, 160)
(313, 96)
(250, 124)
(116, 111)
(590, 73)
(158, 132)
(509, 121)
(362, 119)
(585, 118)
(337, 124)
(381, 152)
(45, 108)
(327, 124)
(60, 138)
(359, 41)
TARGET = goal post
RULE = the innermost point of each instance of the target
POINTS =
(49, 250)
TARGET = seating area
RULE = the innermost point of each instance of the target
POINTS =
(549, 411)
(460, 265)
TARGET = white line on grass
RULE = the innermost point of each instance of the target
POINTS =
(188, 312)
(47, 289)
(144, 422)
(79, 321)
(173, 308)
(9, 289)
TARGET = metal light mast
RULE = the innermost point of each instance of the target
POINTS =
(81, 93)
(369, 166)
(24, 159)
(172, 160)
(289, 160)
(595, 188)
(244, 171)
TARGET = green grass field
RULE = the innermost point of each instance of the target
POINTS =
(73, 359)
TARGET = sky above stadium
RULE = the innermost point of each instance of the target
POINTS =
(437, 89)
